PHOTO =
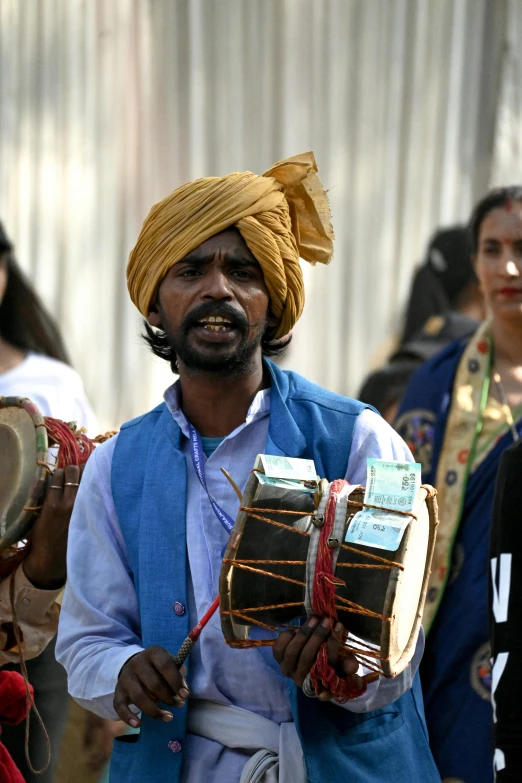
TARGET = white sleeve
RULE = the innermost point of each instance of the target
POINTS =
(373, 437)
(99, 625)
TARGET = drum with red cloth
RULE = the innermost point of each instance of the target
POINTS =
(287, 559)
(31, 447)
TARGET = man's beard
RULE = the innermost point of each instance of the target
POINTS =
(233, 360)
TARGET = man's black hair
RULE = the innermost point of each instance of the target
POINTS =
(499, 197)
(157, 341)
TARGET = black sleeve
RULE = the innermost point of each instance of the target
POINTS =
(506, 616)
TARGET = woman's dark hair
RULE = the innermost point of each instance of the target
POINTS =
(157, 341)
(499, 197)
(24, 321)
(444, 277)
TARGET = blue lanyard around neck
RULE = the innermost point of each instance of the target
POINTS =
(198, 460)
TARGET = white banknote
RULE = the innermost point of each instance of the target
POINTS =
(391, 486)
(288, 467)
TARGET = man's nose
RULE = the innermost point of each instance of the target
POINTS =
(216, 285)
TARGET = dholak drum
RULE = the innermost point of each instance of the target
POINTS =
(31, 445)
(265, 579)
(23, 451)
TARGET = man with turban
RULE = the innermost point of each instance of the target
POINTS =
(216, 274)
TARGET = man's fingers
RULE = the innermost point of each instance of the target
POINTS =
(137, 694)
(333, 644)
(57, 481)
(295, 646)
(311, 648)
(160, 689)
(281, 643)
(348, 665)
(121, 707)
(71, 484)
(164, 663)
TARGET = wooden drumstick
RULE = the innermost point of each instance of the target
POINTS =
(194, 634)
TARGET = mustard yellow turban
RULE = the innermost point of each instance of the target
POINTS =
(282, 215)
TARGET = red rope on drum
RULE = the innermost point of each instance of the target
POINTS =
(323, 675)
(75, 446)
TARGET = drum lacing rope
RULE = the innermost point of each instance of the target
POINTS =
(339, 602)
(322, 674)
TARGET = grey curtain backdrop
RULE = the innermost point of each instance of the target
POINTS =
(413, 108)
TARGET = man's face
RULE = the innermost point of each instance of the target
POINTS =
(213, 305)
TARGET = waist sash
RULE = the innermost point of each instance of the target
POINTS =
(277, 755)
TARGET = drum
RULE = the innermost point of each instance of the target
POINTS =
(31, 446)
(268, 572)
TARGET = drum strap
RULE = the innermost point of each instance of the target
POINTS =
(277, 754)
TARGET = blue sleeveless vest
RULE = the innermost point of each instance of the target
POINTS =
(149, 490)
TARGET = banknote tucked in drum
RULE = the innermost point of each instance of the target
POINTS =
(304, 546)
(31, 447)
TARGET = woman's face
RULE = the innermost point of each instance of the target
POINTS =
(498, 263)
(3, 276)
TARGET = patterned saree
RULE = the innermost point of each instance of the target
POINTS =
(458, 430)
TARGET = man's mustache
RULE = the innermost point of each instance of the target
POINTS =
(226, 311)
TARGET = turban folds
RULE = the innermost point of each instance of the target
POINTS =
(282, 215)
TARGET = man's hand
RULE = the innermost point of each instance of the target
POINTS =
(296, 651)
(45, 565)
(145, 679)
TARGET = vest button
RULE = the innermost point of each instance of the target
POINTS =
(174, 746)
(178, 608)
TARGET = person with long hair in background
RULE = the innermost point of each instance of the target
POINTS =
(34, 364)
(462, 409)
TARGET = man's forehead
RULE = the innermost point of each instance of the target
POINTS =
(228, 241)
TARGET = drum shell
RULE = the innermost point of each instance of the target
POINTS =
(375, 589)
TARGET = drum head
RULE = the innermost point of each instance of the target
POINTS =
(23, 443)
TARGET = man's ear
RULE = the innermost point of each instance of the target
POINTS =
(154, 317)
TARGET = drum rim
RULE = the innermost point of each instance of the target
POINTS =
(393, 668)
(19, 529)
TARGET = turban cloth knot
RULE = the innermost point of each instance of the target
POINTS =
(282, 215)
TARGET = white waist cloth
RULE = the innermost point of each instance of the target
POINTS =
(277, 755)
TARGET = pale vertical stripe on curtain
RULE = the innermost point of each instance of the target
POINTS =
(107, 106)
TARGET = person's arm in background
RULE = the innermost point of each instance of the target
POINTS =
(40, 578)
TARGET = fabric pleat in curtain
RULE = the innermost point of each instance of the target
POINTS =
(411, 106)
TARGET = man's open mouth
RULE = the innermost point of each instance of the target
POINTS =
(216, 323)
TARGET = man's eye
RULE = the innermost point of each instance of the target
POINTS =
(243, 274)
(189, 272)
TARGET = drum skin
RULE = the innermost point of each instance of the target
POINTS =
(23, 445)
(392, 592)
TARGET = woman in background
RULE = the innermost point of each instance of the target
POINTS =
(34, 364)
(462, 409)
